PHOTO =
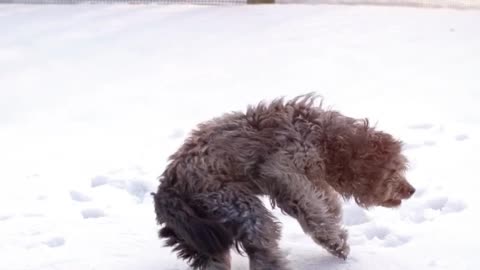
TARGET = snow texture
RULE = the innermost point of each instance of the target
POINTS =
(79, 196)
(459, 4)
(92, 213)
(94, 98)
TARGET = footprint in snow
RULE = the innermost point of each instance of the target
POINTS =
(137, 188)
(386, 236)
(423, 126)
(393, 240)
(411, 146)
(378, 232)
(420, 127)
(461, 137)
(427, 209)
(92, 213)
(79, 196)
(5, 217)
(55, 242)
(426, 126)
(99, 180)
(446, 205)
(436, 203)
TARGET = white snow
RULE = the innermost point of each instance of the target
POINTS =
(93, 213)
(460, 4)
(79, 196)
(55, 242)
(94, 98)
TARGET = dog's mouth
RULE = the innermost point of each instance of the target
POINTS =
(392, 203)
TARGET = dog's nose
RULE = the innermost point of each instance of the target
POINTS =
(409, 191)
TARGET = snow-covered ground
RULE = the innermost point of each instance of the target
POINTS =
(460, 4)
(93, 99)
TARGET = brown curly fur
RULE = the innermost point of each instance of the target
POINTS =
(300, 155)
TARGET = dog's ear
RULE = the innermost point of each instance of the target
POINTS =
(383, 143)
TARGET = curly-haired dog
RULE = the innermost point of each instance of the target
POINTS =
(303, 157)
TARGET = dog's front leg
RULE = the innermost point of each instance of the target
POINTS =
(317, 210)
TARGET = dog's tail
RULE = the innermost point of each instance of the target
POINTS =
(196, 239)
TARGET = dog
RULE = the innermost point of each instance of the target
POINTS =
(305, 158)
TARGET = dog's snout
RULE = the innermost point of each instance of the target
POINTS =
(408, 191)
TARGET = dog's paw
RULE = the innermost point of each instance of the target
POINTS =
(341, 251)
(338, 246)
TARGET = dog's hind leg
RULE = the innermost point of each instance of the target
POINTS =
(253, 226)
(202, 242)
(317, 211)
(220, 262)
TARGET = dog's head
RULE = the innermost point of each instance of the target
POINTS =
(379, 169)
